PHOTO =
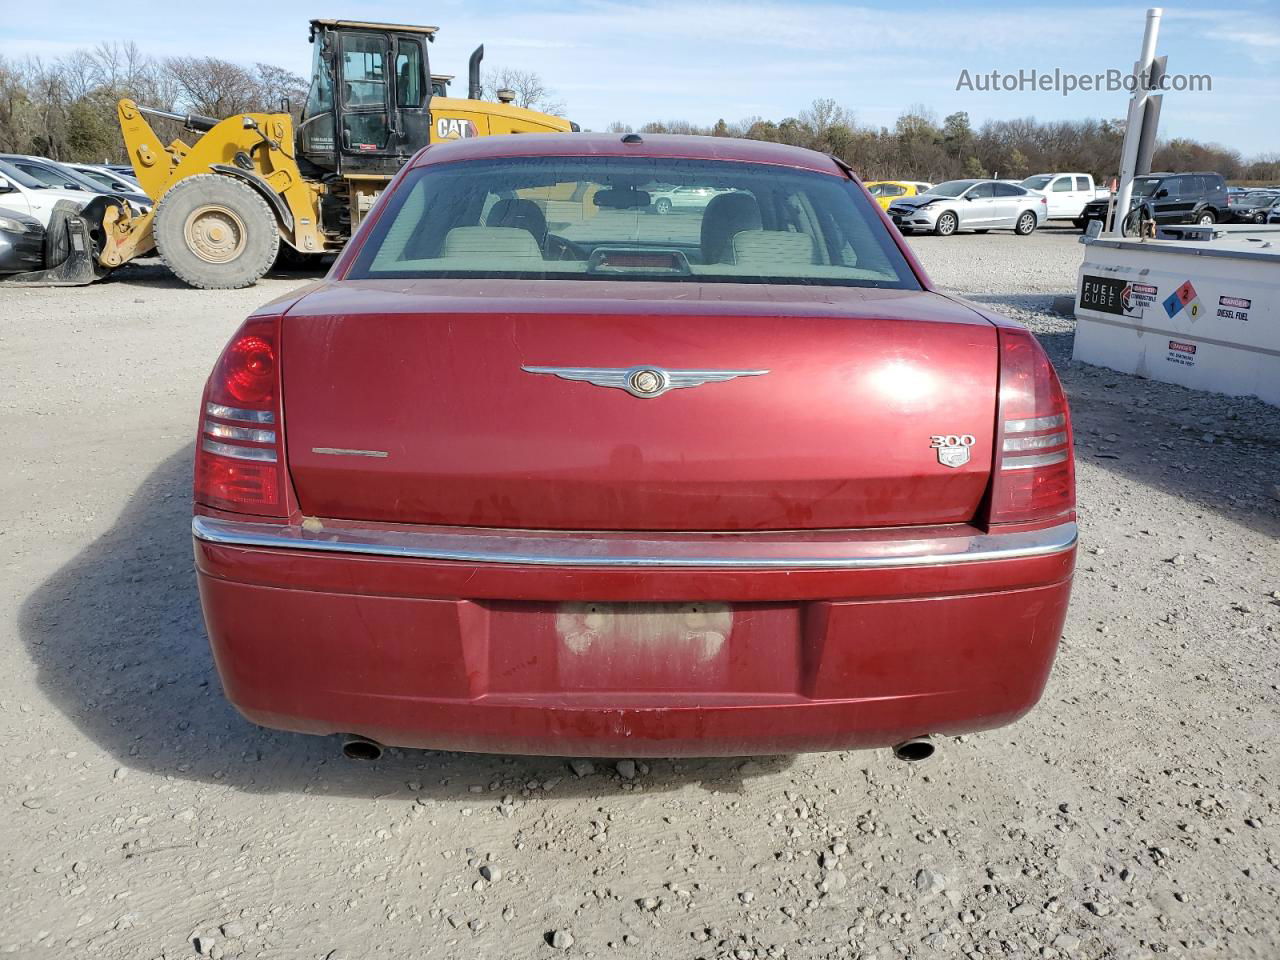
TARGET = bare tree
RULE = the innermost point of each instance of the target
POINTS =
(216, 88)
(823, 114)
(276, 84)
(530, 89)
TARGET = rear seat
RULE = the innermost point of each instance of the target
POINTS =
(769, 248)
(491, 243)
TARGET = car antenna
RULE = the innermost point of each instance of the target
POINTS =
(633, 138)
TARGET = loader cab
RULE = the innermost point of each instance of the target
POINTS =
(368, 107)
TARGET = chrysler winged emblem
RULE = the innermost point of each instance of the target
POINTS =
(645, 381)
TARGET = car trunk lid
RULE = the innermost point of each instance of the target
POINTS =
(428, 402)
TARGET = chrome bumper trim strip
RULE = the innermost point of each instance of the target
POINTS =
(836, 550)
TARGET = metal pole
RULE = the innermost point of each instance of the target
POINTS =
(1133, 126)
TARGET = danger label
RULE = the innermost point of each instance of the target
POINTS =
(1234, 308)
(1183, 354)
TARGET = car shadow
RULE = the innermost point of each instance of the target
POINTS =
(119, 644)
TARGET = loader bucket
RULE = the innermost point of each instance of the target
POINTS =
(80, 267)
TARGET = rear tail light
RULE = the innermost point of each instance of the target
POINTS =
(240, 457)
(1034, 476)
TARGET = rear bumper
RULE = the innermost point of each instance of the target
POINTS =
(620, 645)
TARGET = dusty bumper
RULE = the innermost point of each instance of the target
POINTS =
(924, 218)
(635, 659)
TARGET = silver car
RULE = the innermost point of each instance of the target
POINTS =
(977, 205)
(682, 198)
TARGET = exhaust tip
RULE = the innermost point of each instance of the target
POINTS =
(361, 748)
(914, 750)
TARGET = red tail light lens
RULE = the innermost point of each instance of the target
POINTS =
(248, 369)
(1034, 476)
(239, 459)
(221, 482)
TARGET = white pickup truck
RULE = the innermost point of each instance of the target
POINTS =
(1067, 193)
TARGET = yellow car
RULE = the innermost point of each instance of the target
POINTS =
(887, 191)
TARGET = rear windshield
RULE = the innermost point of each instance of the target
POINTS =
(623, 218)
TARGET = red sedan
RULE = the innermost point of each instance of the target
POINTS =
(535, 470)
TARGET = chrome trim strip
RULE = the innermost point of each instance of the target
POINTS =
(226, 431)
(1034, 423)
(345, 452)
(260, 454)
(826, 550)
(235, 413)
(1012, 444)
(1026, 463)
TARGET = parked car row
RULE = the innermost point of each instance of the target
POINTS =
(84, 178)
(37, 193)
(1169, 198)
(1254, 206)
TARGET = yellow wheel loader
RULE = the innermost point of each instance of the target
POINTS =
(253, 187)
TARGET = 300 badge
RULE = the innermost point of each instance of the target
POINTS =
(953, 448)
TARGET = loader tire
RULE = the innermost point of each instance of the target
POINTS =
(215, 233)
(57, 242)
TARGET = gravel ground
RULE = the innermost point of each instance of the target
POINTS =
(1133, 813)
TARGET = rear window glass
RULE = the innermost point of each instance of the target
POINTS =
(624, 218)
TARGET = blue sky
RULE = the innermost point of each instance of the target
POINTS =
(640, 60)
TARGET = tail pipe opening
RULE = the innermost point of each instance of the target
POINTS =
(914, 750)
(360, 748)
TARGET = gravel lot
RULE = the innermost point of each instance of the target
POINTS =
(1134, 813)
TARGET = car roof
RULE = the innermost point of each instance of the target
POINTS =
(612, 145)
